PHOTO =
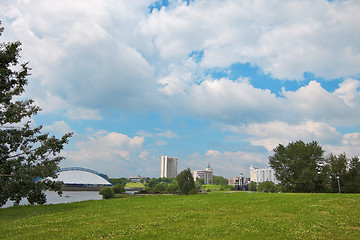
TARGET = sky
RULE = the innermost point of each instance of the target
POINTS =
(207, 81)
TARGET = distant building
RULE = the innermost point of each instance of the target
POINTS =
(260, 175)
(237, 180)
(206, 174)
(135, 179)
(169, 167)
(241, 183)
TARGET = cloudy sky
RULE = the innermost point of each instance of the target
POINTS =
(209, 81)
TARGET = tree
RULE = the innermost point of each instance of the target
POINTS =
(173, 187)
(186, 182)
(122, 181)
(337, 166)
(119, 188)
(219, 180)
(299, 166)
(27, 157)
(107, 192)
(252, 186)
(351, 180)
(200, 181)
(161, 187)
(267, 187)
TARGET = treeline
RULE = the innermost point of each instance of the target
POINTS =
(303, 167)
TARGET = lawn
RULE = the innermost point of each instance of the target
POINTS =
(211, 186)
(216, 215)
(134, 185)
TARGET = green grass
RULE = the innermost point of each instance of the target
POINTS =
(217, 215)
(211, 186)
(134, 185)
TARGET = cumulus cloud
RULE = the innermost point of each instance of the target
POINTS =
(121, 55)
(60, 127)
(90, 56)
(274, 133)
(167, 134)
(103, 147)
(82, 114)
(297, 37)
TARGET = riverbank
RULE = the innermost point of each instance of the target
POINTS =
(216, 215)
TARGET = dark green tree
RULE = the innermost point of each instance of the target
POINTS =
(252, 186)
(219, 180)
(119, 188)
(299, 166)
(27, 156)
(173, 187)
(337, 168)
(107, 192)
(200, 181)
(122, 181)
(186, 182)
(350, 183)
(161, 187)
(267, 187)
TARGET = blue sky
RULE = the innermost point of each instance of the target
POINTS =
(219, 82)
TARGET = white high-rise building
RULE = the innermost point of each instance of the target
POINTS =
(206, 174)
(169, 166)
(260, 175)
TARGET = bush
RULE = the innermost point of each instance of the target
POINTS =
(107, 192)
(173, 188)
(267, 187)
(161, 187)
(186, 182)
(119, 188)
(252, 186)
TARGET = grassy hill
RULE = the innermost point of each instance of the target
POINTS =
(216, 215)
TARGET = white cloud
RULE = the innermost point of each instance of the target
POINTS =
(274, 133)
(230, 101)
(83, 114)
(144, 154)
(285, 39)
(349, 93)
(167, 134)
(60, 127)
(213, 153)
(104, 146)
(160, 143)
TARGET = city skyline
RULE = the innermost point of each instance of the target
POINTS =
(219, 82)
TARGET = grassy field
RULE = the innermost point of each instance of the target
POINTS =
(216, 215)
(134, 185)
(211, 186)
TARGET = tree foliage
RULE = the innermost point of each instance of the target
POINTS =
(26, 154)
(267, 187)
(122, 181)
(298, 166)
(343, 171)
(107, 192)
(219, 180)
(186, 182)
(302, 167)
(252, 186)
(119, 188)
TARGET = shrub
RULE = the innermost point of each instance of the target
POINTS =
(107, 192)
(161, 187)
(119, 188)
(173, 188)
(267, 187)
(186, 182)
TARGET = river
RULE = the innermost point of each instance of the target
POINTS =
(67, 197)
